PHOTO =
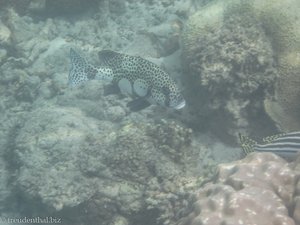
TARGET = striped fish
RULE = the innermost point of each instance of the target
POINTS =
(286, 145)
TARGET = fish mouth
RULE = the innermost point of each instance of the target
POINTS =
(180, 105)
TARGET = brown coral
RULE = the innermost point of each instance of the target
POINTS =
(256, 190)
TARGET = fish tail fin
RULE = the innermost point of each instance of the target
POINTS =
(247, 144)
(80, 71)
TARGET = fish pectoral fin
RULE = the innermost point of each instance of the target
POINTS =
(138, 104)
(111, 89)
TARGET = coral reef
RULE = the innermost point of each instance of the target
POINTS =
(20, 6)
(234, 62)
(282, 26)
(40, 149)
(256, 190)
(295, 212)
(69, 160)
(63, 7)
(169, 138)
(46, 8)
(171, 199)
(5, 192)
(231, 66)
(76, 153)
(5, 34)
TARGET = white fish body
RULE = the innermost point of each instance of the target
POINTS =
(134, 75)
(286, 145)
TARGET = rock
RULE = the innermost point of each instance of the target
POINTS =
(5, 35)
(48, 172)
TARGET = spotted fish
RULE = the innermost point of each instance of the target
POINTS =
(286, 145)
(133, 75)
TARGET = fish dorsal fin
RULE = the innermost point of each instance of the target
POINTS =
(106, 56)
(272, 138)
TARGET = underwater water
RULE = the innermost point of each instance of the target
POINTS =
(153, 112)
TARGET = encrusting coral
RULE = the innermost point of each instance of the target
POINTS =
(256, 190)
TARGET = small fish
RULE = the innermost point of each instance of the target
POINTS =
(133, 75)
(286, 145)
